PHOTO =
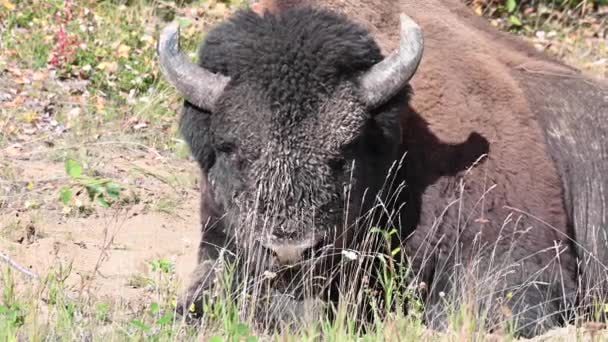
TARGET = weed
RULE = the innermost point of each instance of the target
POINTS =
(12, 314)
(102, 190)
(138, 281)
(166, 205)
(155, 325)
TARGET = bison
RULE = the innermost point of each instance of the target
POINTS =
(310, 119)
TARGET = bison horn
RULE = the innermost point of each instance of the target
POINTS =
(386, 78)
(199, 86)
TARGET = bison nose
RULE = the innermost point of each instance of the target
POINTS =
(290, 251)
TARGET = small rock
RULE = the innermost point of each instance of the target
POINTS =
(5, 97)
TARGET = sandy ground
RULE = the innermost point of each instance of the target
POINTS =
(107, 247)
(110, 247)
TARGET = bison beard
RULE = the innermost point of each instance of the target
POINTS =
(296, 142)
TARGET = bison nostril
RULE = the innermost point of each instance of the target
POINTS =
(290, 250)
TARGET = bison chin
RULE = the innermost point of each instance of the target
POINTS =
(296, 271)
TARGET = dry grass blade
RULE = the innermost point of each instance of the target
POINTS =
(18, 267)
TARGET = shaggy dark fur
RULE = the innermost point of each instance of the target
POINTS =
(505, 233)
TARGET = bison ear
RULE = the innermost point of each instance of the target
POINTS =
(194, 127)
(198, 85)
(383, 80)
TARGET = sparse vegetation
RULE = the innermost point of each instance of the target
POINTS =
(104, 191)
(575, 31)
(87, 123)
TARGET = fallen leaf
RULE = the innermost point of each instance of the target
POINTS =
(123, 51)
(478, 10)
(39, 76)
(11, 129)
(220, 10)
(7, 4)
(17, 101)
(99, 103)
(30, 131)
(22, 80)
(15, 71)
(108, 66)
(30, 117)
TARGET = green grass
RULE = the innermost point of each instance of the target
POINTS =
(42, 311)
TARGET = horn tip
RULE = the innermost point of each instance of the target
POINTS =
(410, 30)
(169, 36)
(408, 22)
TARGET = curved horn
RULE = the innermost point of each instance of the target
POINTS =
(386, 78)
(198, 85)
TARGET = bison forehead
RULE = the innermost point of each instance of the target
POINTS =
(292, 74)
(289, 53)
(290, 131)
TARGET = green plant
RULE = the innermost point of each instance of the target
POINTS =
(162, 265)
(102, 190)
(525, 15)
(12, 314)
(514, 18)
(236, 332)
(156, 325)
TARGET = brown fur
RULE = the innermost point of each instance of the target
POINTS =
(539, 117)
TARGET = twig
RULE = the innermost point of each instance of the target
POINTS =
(18, 267)
(148, 148)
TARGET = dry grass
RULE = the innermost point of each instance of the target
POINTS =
(575, 32)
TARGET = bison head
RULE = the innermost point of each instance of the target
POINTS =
(295, 120)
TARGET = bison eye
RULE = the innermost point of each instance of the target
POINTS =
(337, 164)
(226, 148)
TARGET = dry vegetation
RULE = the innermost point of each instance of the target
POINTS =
(98, 195)
(575, 31)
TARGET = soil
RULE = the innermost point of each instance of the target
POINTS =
(109, 248)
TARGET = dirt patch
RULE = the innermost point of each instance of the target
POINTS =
(109, 247)
(106, 252)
